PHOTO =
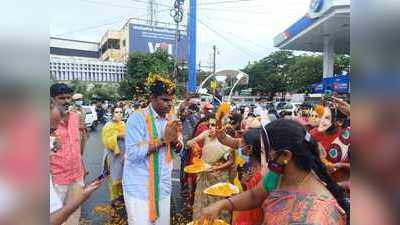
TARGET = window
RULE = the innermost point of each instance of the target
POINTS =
(113, 44)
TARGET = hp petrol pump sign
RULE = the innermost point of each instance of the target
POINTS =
(316, 5)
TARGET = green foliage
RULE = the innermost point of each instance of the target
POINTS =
(342, 63)
(269, 74)
(139, 66)
(80, 87)
(105, 91)
(282, 71)
(304, 71)
(96, 91)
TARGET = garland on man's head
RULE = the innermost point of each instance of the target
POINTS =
(159, 84)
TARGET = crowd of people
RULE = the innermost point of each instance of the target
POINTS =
(288, 169)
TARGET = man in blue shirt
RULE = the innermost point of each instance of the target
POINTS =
(151, 134)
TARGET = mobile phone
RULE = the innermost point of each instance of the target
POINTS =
(105, 174)
(327, 96)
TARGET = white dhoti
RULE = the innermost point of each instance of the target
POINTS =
(67, 193)
(138, 211)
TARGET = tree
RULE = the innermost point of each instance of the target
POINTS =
(282, 71)
(342, 63)
(104, 91)
(304, 71)
(80, 87)
(269, 74)
(139, 66)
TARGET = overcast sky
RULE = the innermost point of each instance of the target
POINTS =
(247, 28)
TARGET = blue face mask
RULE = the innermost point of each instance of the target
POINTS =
(244, 156)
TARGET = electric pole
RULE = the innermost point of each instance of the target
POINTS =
(214, 55)
(177, 14)
(152, 11)
(192, 81)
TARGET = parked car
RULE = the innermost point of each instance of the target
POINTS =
(289, 107)
(90, 117)
(279, 106)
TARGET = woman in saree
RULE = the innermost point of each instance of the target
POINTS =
(220, 158)
(297, 188)
(201, 126)
(250, 180)
(333, 139)
(113, 136)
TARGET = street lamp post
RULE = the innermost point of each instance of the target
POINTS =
(239, 77)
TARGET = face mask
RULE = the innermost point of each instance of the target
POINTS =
(244, 156)
(79, 103)
(324, 125)
(271, 181)
(275, 166)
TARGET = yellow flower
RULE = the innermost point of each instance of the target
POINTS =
(320, 110)
(153, 78)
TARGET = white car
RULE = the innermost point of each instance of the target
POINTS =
(90, 117)
(289, 107)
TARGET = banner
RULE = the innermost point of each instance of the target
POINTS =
(339, 84)
(147, 39)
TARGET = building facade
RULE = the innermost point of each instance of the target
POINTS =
(105, 61)
(74, 48)
(80, 60)
(137, 36)
(69, 69)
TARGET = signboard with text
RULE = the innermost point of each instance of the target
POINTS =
(147, 39)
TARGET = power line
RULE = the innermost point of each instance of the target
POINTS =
(248, 53)
(244, 39)
(91, 27)
(159, 4)
(224, 2)
(109, 4)
(235, 21)
(101, 25)
(234, 11)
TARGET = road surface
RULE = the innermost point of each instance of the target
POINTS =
(93, 157)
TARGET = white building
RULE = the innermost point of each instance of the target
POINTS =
(79, 60)
(68, 69)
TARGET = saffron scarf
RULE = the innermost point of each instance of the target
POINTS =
(154, 167)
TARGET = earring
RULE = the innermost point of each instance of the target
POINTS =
(285, 162)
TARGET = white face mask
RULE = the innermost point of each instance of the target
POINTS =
(326, 121)
(79, 103)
